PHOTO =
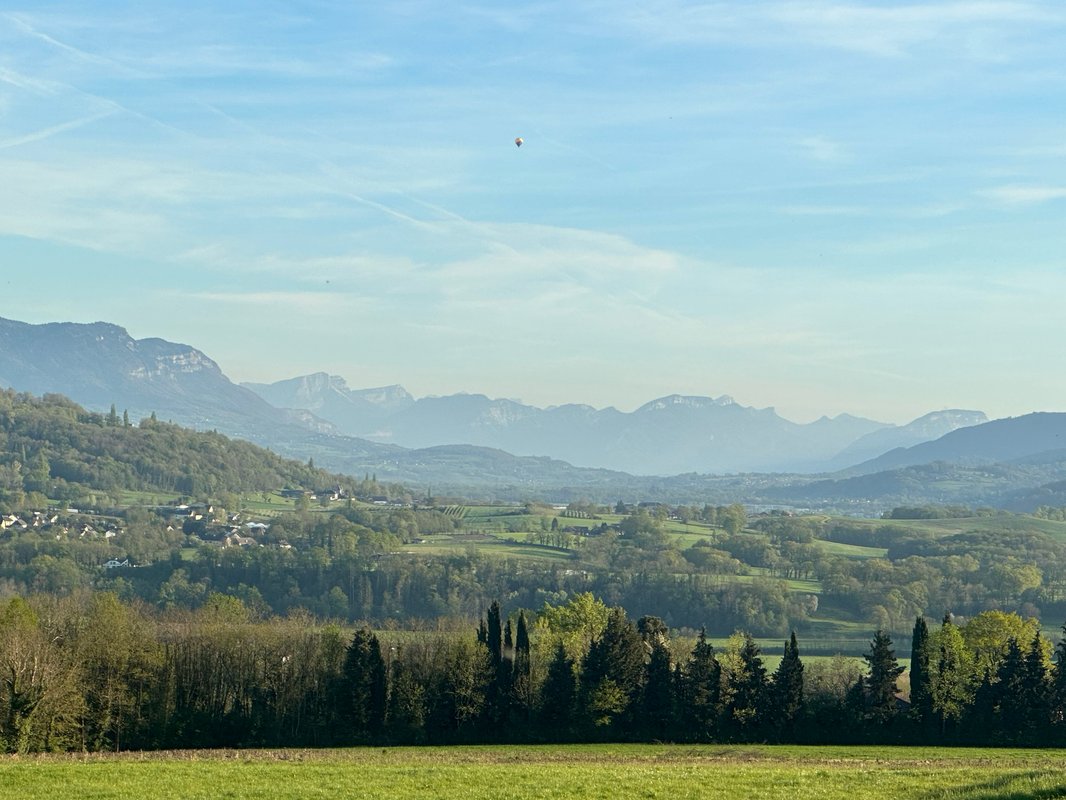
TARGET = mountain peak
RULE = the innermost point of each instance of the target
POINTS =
(689, 401)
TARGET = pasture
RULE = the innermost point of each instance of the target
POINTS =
(572, 772)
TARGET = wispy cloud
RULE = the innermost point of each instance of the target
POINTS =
(868, 28)
(826, 211)
(820, 148)
(1023, 195)
(278, 302)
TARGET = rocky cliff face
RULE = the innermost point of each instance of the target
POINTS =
(100, 364)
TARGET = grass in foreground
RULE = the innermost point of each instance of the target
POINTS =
(578, 772)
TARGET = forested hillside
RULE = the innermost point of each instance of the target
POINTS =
(53, 448)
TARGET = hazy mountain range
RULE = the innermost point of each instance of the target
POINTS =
(469, 443)
(667, 436)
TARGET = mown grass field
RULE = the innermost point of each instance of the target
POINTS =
(571, 772)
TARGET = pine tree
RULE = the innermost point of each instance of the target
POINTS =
(1009, 716)
(1035, 699)
(788, 688)
(881, 687)
(702, 693)
(658, 701)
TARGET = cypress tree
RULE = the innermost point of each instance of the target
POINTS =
(494, 633)
(921, 697)
(521, 642)
(498, 690)
(522, 672)
(788, 689)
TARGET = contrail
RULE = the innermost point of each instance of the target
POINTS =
(29, 30)
(23, 82)
(45, 133)
(344, 183)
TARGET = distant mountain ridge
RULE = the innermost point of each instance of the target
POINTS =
(924, 429)
(1001, 440)
(667, 436)
(328, 396)
(466, 441)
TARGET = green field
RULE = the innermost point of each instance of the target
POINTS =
(996, 523)
(571, 772)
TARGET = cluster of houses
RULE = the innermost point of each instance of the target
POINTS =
(212, 526)
(62, 526)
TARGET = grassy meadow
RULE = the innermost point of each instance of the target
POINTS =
(571, 772)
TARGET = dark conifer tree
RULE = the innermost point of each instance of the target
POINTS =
(659, 702)
(881, 689)
(788, 690)
(364, 690)
(498, 690)
(558, 694)
(980, 717)
(702, 691)
(494, 633)
(521, 642)
(1009, 716)
(522, 672)
(1034, 702)
(921, 696)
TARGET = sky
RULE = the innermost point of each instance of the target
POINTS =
(823, 207)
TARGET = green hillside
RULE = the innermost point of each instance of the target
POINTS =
(53, 448)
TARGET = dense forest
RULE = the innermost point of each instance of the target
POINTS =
(89, 672)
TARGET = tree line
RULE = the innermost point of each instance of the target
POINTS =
(91, 673)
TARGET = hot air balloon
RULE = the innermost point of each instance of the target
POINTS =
(518, 142)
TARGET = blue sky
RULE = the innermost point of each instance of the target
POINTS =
(821, 206)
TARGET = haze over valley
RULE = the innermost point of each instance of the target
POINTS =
(676, 448)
